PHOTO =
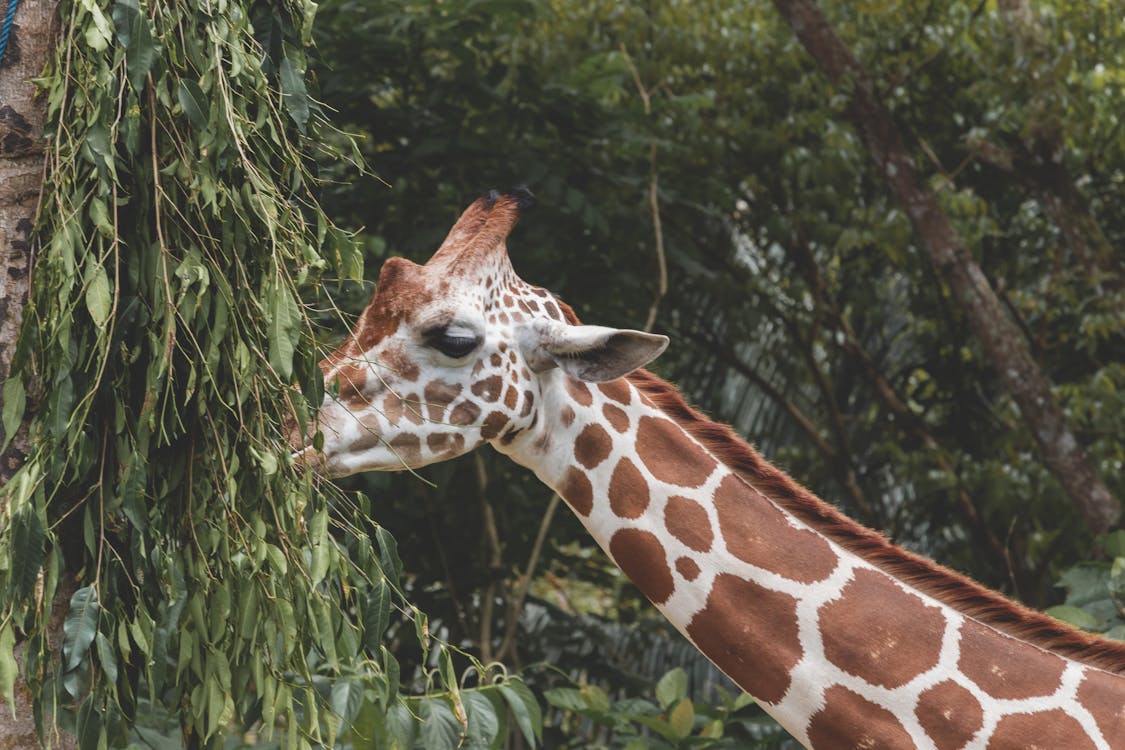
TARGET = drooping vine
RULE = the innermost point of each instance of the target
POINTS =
(167, 356)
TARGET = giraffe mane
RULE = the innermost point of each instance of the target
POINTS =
(944, 585)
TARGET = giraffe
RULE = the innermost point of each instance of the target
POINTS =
(846, 640)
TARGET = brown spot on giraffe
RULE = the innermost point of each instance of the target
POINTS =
(628, 490)
(408, 447)
(641, 556)
(1100, 694)
(592, 446)
(575, 488)
(849, 721)
(465, 413)
(489, 389)
(579, 392)
(877, 631)
(496, 359)
(949, 714)
(392, 407)
(566, 416)
(670, 456)
(351, 385)
(511, 396)
(757, 532)
(618, 390)
(493, 425)
(440, 394)
(395, 359)
(687, 568)
(370, 437)
(412, 408)
(616, 417)
(737, 613)
(1042, 730)
(687, 521)
(445, 442)
(1005, 668)
(528, 402)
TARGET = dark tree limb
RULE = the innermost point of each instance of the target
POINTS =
(907, 420)
(1000, 338)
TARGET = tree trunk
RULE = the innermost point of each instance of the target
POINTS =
(999, 335)
(21, 175)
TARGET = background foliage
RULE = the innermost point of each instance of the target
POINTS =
(800, 307)
(194, 203)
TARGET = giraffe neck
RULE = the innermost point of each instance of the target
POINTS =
(829, 627)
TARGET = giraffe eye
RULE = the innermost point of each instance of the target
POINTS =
(454, 344)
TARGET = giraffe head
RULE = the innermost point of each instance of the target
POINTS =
(456, 353)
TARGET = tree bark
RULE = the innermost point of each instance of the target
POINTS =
(1000, 337)
(21, 177)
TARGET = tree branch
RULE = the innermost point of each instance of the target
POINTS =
(1000, 338)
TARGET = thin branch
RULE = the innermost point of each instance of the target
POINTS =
(516, 604)
(653, 196)
(495, 560)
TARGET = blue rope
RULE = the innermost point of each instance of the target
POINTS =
(7, 27)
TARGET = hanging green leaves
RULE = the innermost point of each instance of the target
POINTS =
(209, 581)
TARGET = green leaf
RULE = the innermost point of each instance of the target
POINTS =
(15, 403)
(400, 726)
(484, 724)
(8, 667)
(525, 708)
(1079, 618)
(134, 33)
(80, 626)
(284, 323)
(27, 536)
(194, 103)
(376, 614)
(595, 698)
(671, 687)
(440, 728)
(681, 718)
(388, 556)
(99, 32)
(295, 96)
(1085, 583)
(98, 300)
(98, 148)
(107, 657)
(89, 726)
(568, 699)
(1114, 543)
(347, 697)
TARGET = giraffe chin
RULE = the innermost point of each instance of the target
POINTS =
(335, 467)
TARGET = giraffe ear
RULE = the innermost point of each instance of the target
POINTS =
(593, 353)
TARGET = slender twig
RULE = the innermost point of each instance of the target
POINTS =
(653, 196)
(516, 605)
(495, 559)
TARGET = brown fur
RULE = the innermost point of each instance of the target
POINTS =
(922, 574)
